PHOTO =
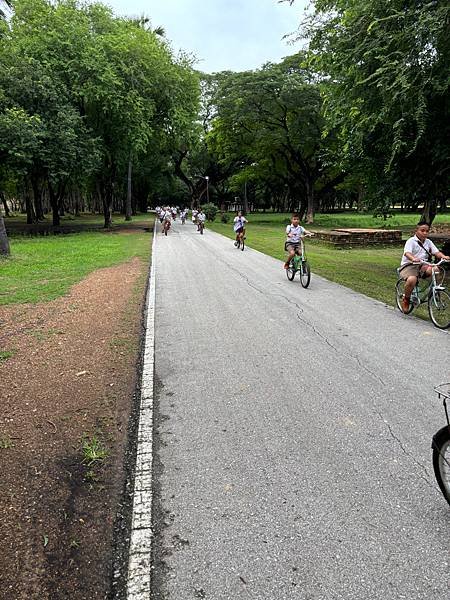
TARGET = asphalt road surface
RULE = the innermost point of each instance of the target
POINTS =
(294, 430)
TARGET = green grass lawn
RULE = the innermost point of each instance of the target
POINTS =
(370, 271)
(45, 267)
(404, 221)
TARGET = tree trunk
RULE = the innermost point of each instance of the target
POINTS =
(37, 199)
(31, 216)
(107, 204)
(4, 243)
(56, 221)
(5, 204)
(128, 208)
(429, 211)
(310, 198)
(360, 206)
(245, 199)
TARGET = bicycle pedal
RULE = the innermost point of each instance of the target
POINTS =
(439, 288)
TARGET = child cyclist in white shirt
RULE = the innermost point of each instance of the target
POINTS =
(239, 227)
(417, 250)
(294, 233)
(201, 218)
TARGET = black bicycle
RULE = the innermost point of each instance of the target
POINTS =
(441, 446)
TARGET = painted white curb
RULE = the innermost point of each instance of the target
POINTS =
(139, 565)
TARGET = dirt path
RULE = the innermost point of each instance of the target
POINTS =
(72, 375)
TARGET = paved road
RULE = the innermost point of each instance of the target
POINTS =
(294, 430)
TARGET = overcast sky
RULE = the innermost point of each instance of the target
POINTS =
(223, 34)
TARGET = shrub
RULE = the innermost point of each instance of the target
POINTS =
(224, 217)
(210, 211)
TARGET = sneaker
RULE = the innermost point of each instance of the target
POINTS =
(286, 266)
(235, 243)
(405, 304)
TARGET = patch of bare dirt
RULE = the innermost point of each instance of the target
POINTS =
(72, 375)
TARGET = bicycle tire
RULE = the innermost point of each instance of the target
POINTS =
(399, 293)
(439, 308)
(238, 244)
(290, 272)
(305, 274)
(441, 460)
(242, 244)
(201, 229)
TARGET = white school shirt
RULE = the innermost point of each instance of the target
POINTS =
(239, 222)
(201, 217)
(297, 233)
(168, 215)
(412, 246)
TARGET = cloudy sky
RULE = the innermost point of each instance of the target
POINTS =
(223, 34)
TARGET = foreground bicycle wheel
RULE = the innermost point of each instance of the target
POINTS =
(441, 460)
(242, 243)
(305, 274)
(399, 293)
(439, 308)
(290, 272)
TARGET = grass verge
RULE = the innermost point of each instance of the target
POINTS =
(43, 268)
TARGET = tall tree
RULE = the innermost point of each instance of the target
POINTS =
(389, 96)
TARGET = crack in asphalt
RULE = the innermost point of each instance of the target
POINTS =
(301, 319)
(405, 451)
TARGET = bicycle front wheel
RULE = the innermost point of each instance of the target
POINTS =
(305, 274)
(290, 272)
(439, 308)
(441, 460)
(399, 293)
(242, 243)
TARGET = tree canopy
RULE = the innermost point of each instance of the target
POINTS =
(84, 94)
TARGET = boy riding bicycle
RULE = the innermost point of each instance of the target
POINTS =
(239, 227)
(294, 233)
(418, 250)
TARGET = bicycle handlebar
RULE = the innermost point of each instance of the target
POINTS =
(425, 262)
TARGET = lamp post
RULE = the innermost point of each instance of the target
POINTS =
(207, 188)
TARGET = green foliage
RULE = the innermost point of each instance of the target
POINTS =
(210, 211)
(93, 450)
(384, 70)
(82, 93)
(224, 217)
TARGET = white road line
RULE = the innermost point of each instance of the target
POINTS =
(139, 565)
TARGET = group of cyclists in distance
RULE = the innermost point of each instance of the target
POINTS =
(167, 214)
(416, 261)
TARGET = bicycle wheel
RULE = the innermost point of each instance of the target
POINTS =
(290, 272)
(441, 460)
(399, 293)
(242, 243)
(439, 308)
(305, 274)
(201, 229)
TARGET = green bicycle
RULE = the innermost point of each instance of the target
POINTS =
(299, 264)
(433, 293)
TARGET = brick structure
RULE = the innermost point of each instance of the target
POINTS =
(361, 237)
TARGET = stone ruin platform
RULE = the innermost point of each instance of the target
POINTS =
(361, 237)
